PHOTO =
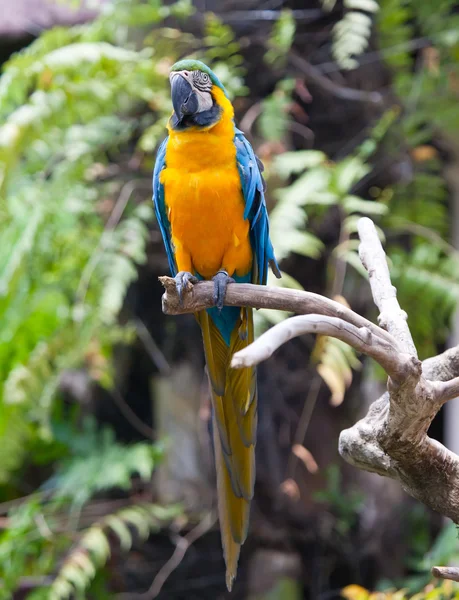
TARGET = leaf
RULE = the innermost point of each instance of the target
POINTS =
(85, 52)
(334, 382)
(347, 173)
(353, 204)
(74, 575)
(328, 5)
(286, 281)
(281, 38)
(351, 36)
(370, 6)
(311, 187)
(335, 361)
(355, 592)
(138, 518)
(84, 563)
(123, 533)
(292, 163)
(61, 589)
(95, 541)
(353, 259)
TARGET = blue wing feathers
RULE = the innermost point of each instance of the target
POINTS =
(160, 206)
(252, 184)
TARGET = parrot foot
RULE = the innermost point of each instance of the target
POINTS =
(221, 281)
(183, 281)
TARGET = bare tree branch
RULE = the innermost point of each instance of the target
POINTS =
(446, 573)
(315, 75)
(373, 258)
(392, 438)
(447, 390)
(200, 296)
(362, 339)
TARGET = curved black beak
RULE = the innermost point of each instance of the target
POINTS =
(184, 99)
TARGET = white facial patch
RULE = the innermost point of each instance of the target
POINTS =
(205, 101)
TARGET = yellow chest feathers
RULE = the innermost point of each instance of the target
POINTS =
(204, 199)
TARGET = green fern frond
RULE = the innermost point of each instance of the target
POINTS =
(281, 39)
(274, 118)
(66, 105)
(100, 463)
(223, 51)
(427, 282)
(352, 33)
(335, 361)
(93, 549)
(124, 250)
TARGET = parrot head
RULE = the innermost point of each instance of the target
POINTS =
(194, 98)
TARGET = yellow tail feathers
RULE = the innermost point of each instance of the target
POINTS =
(234, 402)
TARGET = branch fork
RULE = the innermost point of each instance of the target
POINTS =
(391, 439)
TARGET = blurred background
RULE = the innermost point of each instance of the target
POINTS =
(106, 477)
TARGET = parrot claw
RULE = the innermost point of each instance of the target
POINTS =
(183, 281)
(221, 281)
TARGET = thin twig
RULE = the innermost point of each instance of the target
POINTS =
(400, 224)
(130, 415)
(115, 216)
(303, 423)
(250, 117)
(340, 265)
(313, 74)
(179, 553)
(154, 351)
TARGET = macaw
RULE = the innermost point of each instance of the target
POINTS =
(208, 193)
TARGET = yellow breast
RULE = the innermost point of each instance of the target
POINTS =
(204, 200)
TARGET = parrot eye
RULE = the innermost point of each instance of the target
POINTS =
(202, 81)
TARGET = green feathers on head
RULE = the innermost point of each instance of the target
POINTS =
(190, 64)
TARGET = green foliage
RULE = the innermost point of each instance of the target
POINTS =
(71, 236)
(429, 92)
(419, 586)
(93, 548)
(281, 39)
(43, 527)
(274, 118)
(344, 505)
(352, 33)
(428, 287)
(318, 185)
(74, 229)
(224, 53)
(335, 362)
(25, 546)
(39, 532)
(444, 590)
(416, 216)
(97, 462)
(424, 265)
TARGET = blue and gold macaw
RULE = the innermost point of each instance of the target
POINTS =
(209, 201)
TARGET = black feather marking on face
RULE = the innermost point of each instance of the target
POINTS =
(208, 117)
(202, 81)
(203, 119)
